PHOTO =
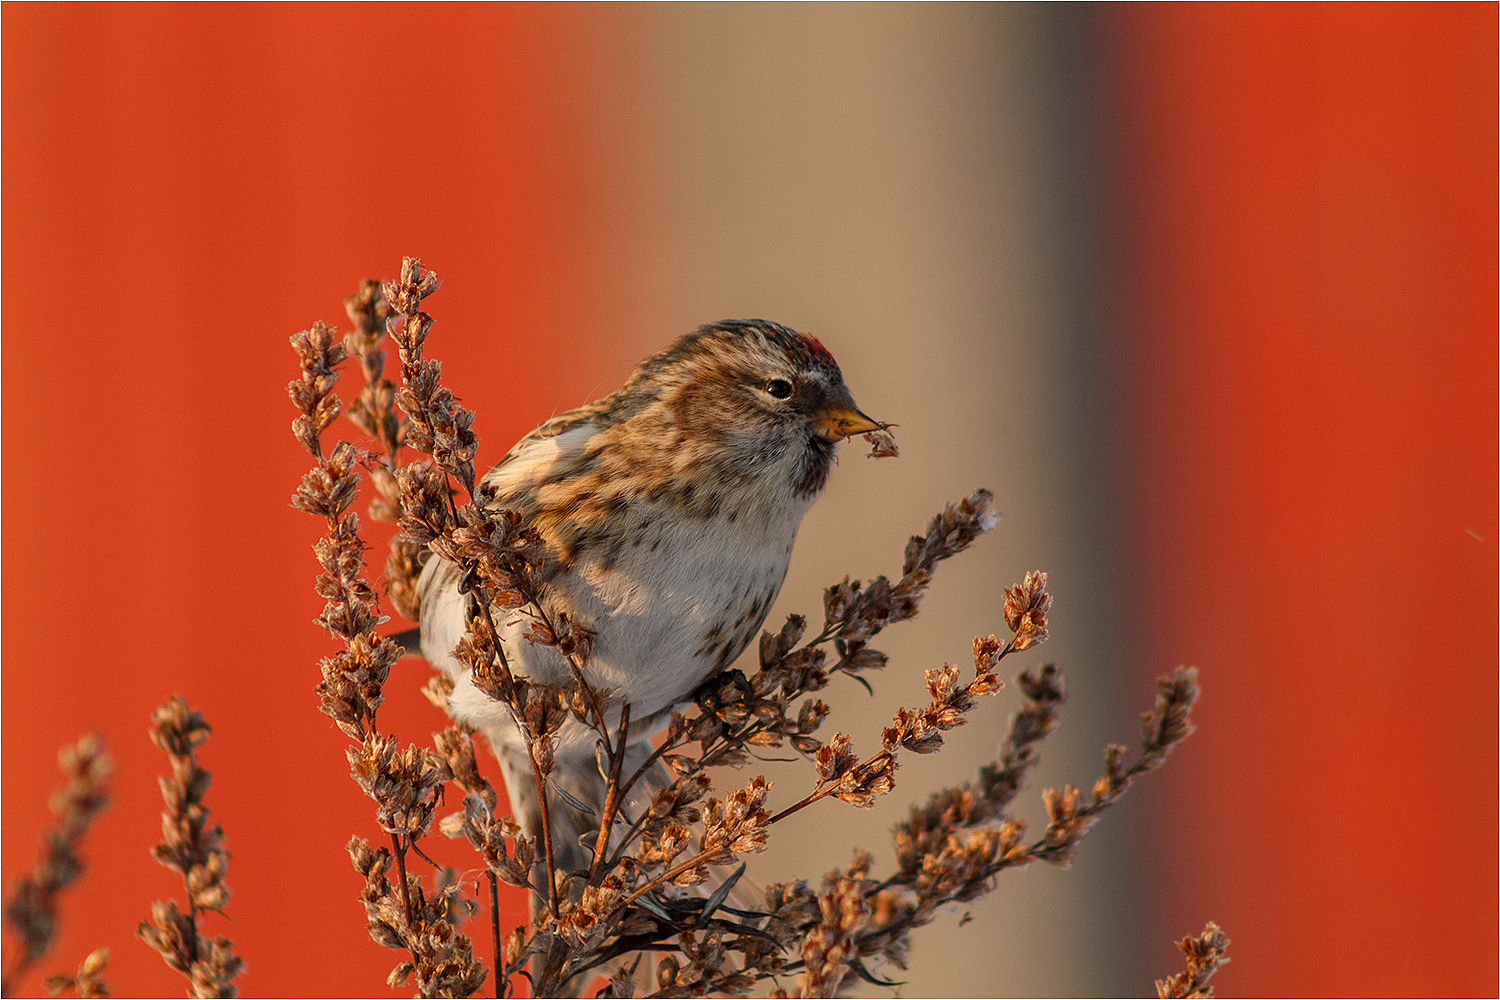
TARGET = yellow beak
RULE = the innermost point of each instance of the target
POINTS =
(842, 422)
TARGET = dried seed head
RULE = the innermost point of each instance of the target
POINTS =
(862, 785)
(1205, 956)
(193, 846)
(950, 532)
(31, 905)
(738, 826)
(882, 444)
(1026, 606)
(835, 759)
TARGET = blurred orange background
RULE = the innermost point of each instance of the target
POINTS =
(1208, 294)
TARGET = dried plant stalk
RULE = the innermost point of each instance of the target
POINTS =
(1205, 955)
(194, 847)
(664, 871)
(374, 412)
(405, 782)
(498, 557)
(31, 904)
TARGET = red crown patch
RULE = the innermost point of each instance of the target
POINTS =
(815, 347)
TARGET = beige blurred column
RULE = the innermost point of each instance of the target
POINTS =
(891, 179)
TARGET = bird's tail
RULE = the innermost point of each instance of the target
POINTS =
(575, 805)
(410, 640)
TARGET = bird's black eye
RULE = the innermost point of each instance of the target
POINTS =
(779, 387)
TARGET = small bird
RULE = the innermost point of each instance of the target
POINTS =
(667, 512)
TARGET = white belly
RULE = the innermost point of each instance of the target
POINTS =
(667, 612)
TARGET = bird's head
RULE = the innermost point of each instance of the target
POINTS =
(748, 399)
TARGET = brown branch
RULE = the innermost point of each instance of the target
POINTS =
(541, 794)
(825, 789)
(695, 861)
(398, 848)
(404, 782)
(612, 798)
(500, 977)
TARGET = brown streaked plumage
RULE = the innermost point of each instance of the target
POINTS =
(668, 511)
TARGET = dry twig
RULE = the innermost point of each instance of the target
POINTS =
(194, 847)
(31, 905)
(405, 782)
(1205, 955)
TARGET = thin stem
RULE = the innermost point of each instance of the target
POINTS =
(809, 800)
(500, 979)
(593, 696)
(489, 621)
(630, 834)
(452, 503)
(423, 854)
(541, 794)
(612, 798)
(661, 879)
(400, 852)
(823, 791)
(193, 925)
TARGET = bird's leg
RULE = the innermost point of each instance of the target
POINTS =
(742, 684)
(717, 692)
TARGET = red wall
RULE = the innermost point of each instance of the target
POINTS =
(1310, 293)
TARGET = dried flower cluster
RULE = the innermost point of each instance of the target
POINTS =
(421, 922)
(194, 847)
(404, 781)
(31, 904)
(1205, 954)
(373, 411)
(87, 982)
(831, 947)
(663, 875)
